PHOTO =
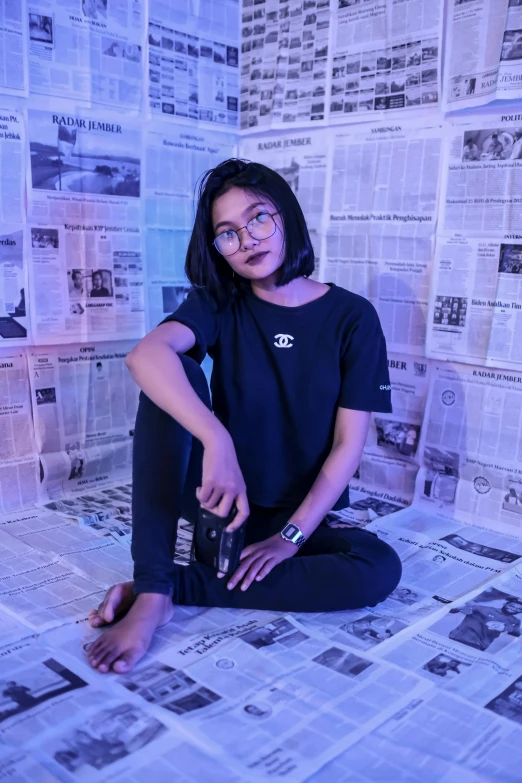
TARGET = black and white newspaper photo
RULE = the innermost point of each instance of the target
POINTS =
(84, 166)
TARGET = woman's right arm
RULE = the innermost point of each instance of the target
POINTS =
(157, 369)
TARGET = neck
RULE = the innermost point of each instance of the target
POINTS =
(297, 292)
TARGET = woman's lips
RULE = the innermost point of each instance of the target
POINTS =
(256, 257)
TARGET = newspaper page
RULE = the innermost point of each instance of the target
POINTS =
(13, 48)
(188, 636)
(99, 558)
(85, 404)
(19, 765)
(87, 282)
(174, 161)
(302, 160)
(473, 649)
(14, 320)
(18, 456)
(285, 51)
(84, 166)
(382, 218)
(87, 50)
(111, 735)
(12, 166)
(193, 60)
(42, 592)
(473, 653)
(385, 479)
(475, 307)
(456, 731)
(378, 759)
(387, 57)
(483, 52)
(468, 469)
(107, 512)
(250, 700)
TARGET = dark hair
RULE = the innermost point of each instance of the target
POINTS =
(205, 267)
(97, 272)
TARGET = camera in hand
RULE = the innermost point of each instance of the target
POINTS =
(215, 547)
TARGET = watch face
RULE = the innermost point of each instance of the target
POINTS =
(290, 530)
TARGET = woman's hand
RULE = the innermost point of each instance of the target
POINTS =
(222, 482)
(257, 560)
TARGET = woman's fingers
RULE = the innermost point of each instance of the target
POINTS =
(243, 512)
(240, 572)
(265, 570)
(255, 569)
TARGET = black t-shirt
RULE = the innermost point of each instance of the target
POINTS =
(279, 375)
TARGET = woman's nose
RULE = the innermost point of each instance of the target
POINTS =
(247, 240)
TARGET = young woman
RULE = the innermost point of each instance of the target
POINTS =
(298, 366)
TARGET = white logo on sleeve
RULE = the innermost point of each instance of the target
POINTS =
(283, 340)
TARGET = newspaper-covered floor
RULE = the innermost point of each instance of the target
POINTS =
(427, 686)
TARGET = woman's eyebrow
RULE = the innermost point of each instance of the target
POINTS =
(244, 213)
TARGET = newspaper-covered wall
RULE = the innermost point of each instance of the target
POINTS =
(386, 58)
(87, 51)
(12, 165)
(110, 112)
(193, 61)
(175, 160)
(84, 407)
(382, 218)
(385, 479)
(285, 50)
(19, 477)
(484, 54)
(470, 446)
(475, 298)
(13, 48)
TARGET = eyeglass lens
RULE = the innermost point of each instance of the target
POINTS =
(261, 227)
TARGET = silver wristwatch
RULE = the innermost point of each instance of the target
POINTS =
(292, 533)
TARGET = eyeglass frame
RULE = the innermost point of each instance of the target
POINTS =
(236, 231)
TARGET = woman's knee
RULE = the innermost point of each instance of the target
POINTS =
(197, 380)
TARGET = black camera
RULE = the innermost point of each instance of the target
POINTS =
(215, 547)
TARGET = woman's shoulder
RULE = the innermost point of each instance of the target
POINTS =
(354, 307)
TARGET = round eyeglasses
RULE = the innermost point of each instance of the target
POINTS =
(262, 226)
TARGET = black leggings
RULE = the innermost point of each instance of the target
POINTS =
(337, 568)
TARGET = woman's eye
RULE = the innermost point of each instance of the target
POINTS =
(262, 217)
(228, 234)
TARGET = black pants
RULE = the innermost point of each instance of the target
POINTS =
(335, 569)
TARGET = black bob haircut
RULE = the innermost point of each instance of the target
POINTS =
(207, 268)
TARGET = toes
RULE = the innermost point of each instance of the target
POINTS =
(107, 658)
(127, 660)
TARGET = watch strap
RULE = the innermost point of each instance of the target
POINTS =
(298, 539)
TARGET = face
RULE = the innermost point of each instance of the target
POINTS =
(256, 259)
(513, 608)
(97, 281)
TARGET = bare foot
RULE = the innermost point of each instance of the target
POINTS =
(121, 647)
(117, 602)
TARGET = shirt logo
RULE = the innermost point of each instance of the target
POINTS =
(283, 340)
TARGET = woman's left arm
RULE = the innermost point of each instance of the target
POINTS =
(351, 430)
